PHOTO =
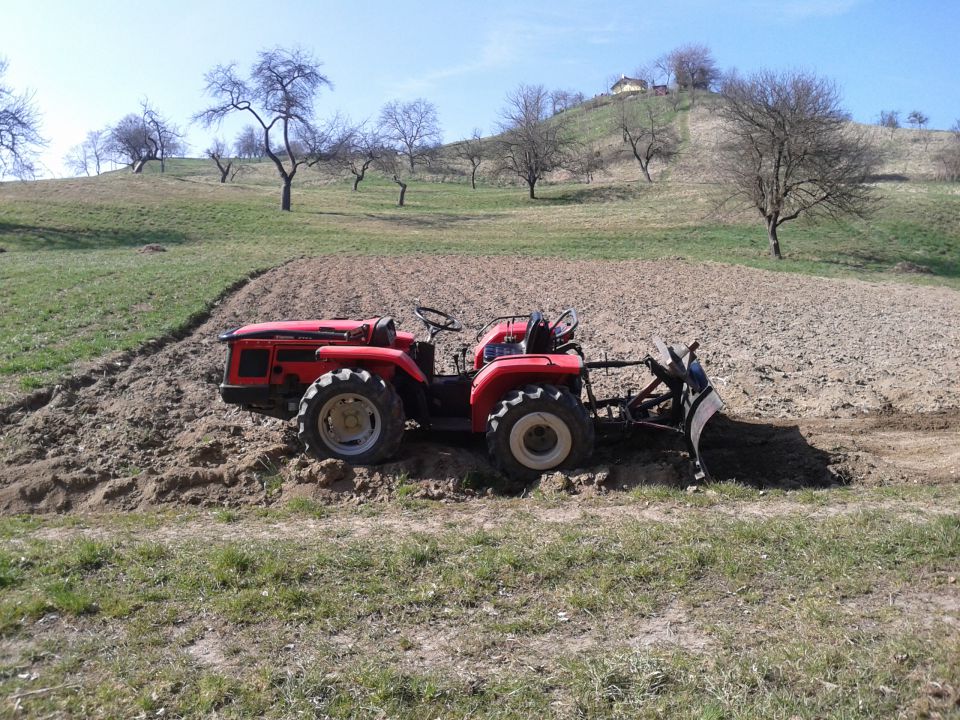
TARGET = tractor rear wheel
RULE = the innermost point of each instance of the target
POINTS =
(352, 415)
(538, 428)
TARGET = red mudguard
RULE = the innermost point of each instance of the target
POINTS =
(382, 361)
(514, 371)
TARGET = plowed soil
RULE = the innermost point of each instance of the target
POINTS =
(826, 381)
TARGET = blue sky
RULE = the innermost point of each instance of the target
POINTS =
(91, 62)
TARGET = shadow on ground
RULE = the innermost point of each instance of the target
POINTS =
(765, 455)
(33, 237)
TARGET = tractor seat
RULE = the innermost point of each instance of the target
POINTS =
(536, 341)
(384, 333)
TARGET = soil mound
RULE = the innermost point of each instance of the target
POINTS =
(153, 430)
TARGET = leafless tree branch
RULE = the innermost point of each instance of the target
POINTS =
(647, 131)
(19, 131)
(413, 128)
(279, 96)
(531, 143)
(790, 149)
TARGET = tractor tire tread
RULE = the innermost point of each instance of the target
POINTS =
(581, 427)
(361, 382)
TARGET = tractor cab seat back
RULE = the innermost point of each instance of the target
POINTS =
(537, 340)
(384, 333)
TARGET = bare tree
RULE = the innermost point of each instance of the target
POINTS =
(531, 143)
(648, 73)
(249, 144)
(917, 120)
(137, 139)
(694, 68)
(360, 147)
(218, 153)
(19, 131)
(472, 150)
(890, 119)
(365, 149)
(790, 149)
(392, 163)
(413, 127)
(88, 157)
(168, 138)
(279, 95)
(561, 100)
(584, 159)
(325, 142)
(130, 143)
(663, 67)
(648, 131)
(949, 156)
(78, 161)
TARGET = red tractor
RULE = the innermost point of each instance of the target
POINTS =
(352, 384)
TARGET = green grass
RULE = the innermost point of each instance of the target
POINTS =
(73, 287)
(772, 616)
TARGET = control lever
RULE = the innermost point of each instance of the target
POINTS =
(462, 358)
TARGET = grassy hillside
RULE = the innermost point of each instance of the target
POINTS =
(74, 287)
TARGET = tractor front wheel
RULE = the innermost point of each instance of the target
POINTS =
(352, 415)
(538, 428)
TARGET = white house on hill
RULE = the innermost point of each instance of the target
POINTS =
(628, 84)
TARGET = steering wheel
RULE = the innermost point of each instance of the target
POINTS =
(572, 321)
(449, 322)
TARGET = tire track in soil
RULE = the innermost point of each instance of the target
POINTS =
(819, 383)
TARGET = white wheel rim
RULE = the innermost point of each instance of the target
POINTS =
(540, 441)
(349, 424)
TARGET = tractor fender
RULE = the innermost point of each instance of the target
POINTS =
(379, 360)
(513, 371)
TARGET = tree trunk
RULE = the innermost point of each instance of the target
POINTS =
(532, 184)
(285, 195)
(356, 181)
(646, 172)
(403, 191)
(224, 171)
(411, 164)
(473, 178)
(138, 166)
(772, 238)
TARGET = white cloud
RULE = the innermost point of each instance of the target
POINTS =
(507, 44)
(497, 51)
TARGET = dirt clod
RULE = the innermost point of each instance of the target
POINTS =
(556, 482)
(152, 248)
